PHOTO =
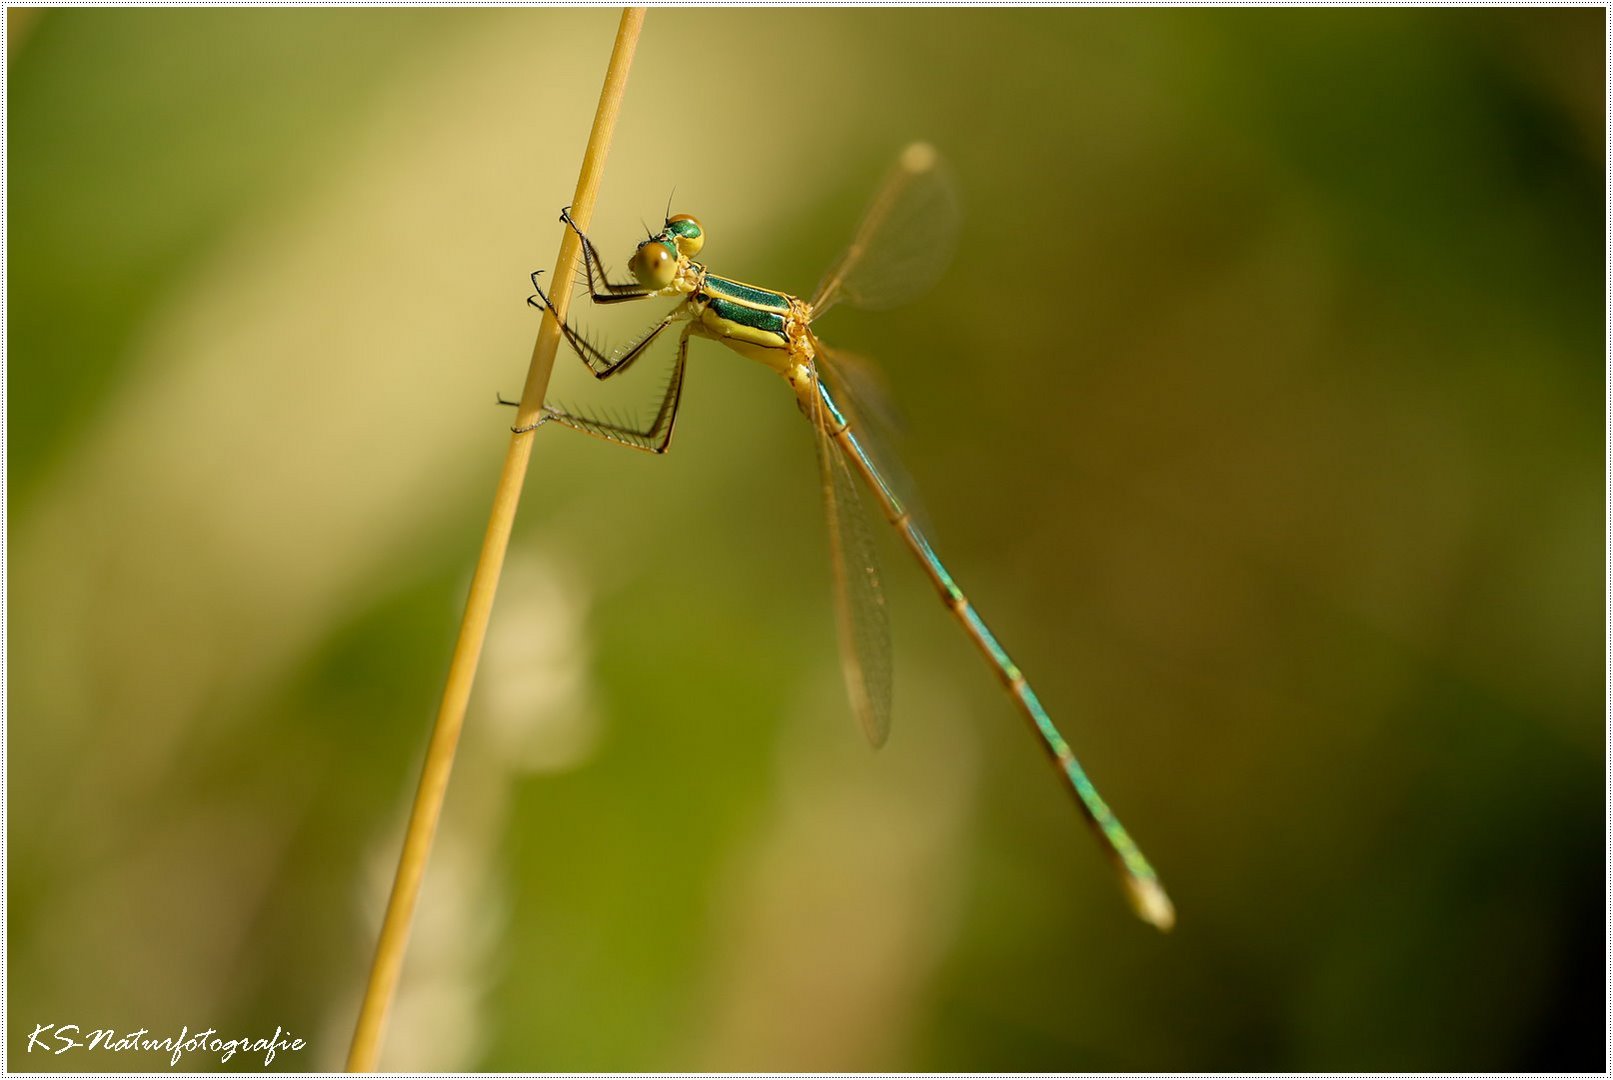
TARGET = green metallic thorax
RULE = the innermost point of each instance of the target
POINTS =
(753, 322)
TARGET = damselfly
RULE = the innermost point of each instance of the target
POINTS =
(899, 250)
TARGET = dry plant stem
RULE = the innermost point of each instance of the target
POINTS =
(394, 938)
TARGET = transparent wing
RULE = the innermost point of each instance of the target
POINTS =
(860, 392)
(854, 381)
(860, 612)
(905, 240)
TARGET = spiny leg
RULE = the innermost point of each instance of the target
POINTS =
(593, 357)
(603, 290)
(652, 438)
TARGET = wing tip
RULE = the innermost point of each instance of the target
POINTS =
(878, 734)
(920, 157)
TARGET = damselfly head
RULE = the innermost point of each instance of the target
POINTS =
(655, 263)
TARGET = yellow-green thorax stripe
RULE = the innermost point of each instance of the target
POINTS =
(735, 310)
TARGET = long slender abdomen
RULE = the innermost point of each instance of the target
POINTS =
(1147, 897)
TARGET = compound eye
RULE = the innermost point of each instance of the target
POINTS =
(685, 231)
(654, 264)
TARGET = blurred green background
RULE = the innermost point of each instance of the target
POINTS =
(1261, 414)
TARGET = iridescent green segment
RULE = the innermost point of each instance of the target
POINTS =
(683, 227)
(755, 318)
(926, 554)
(835, 415)
(746, 294)
(886, 495)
